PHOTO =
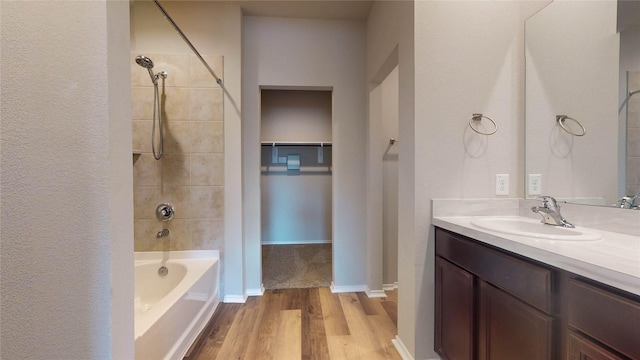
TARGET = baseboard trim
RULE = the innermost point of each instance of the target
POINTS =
(343, 289)
(402, 350)
(235, 299)
(256, 292)
(375, 293)
(305, 242)
(389, 287)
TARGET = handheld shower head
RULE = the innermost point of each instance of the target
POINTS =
(146, 63)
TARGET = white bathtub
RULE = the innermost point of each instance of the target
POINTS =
(171, 310)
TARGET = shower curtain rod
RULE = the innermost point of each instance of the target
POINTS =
(184, 37)
(626, 99)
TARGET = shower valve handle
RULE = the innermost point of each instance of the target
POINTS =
(165, 212)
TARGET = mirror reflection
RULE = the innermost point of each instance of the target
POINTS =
(582, 126)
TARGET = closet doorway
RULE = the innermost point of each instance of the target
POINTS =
(383, 178)
(296, 188)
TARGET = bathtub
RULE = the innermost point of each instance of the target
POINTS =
(171, 310)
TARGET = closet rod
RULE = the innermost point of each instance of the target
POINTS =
(295, 143)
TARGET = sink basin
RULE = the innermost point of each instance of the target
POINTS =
(535, 229)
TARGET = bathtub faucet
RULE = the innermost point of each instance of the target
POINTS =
(163, 233)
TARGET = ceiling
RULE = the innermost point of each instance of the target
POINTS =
(310, 9)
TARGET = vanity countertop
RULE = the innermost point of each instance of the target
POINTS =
(613, 260)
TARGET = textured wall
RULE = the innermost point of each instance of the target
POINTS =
(633, 136)
(66, 254)
(190, 174)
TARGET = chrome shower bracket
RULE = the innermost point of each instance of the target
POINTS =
(161, 74)
(165, 212)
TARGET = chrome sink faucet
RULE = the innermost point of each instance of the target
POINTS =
(628, 202)
(550, 212)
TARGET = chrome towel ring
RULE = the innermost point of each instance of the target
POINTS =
(561, 119)
(478, 118)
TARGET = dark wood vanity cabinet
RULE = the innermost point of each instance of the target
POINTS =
(605, 319)
(455, 304)
(581, 348)
(495, 305)
(510, 329)
(489, 306)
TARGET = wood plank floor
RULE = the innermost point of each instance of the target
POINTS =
(292, 324)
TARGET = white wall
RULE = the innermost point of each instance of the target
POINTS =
(572, 69)
(298, 115)
(67, 218)
(466, 66)
(389, 129)
(310, 54)
(468, 59)
(213, 29)
(390, 36)
(382, 182)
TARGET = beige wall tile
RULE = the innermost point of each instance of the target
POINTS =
(206, 104)
(176, 67)
(207, 137)
(207, 169)
(179, 197)
(633, 171)
(177, 137)
(175, 103)
(142, 103)
(146, 171)
(139, 75)
(141, 138)
(207, 234)
(179, 234)
(200, 75)
(144, 233)
(191, 173)
(207, 202)
(144, 202)
(634, 80)
(174, 169)
(633, 142)
(633, 119)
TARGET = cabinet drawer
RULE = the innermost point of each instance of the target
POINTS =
(529, 282)
(606, 317)
(581, 348)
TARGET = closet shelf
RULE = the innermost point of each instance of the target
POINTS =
(295, 143)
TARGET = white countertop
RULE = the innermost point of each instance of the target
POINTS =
(614, 260)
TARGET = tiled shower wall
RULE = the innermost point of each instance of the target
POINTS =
(190, 175)
(633, 136)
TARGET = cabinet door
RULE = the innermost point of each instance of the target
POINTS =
(454, 311)
(510, 329)
(583, 349)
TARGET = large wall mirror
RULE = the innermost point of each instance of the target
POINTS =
(582, 127)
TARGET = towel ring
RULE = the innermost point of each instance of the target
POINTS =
(478, 117)
(561, 119)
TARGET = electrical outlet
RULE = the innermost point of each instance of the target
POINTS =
(502, 184)
(534, 186)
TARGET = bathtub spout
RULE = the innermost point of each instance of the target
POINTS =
(163, 233)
